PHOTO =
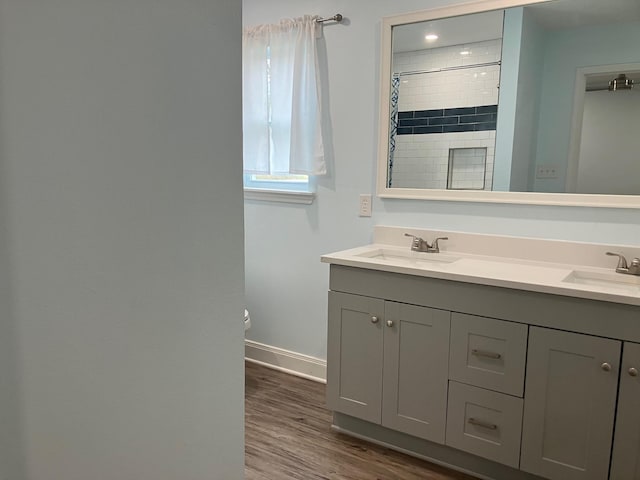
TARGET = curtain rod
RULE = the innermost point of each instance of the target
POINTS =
(336, 18)
(447, 69)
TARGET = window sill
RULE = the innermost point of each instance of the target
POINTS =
(282, 196)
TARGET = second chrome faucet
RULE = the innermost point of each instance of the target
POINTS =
(421, 245)
(624, 267)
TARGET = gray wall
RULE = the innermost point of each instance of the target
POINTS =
(121, 211)
(11, 453)
(286, 283)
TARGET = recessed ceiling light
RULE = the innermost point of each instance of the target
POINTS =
(465, 52)
(431, 37)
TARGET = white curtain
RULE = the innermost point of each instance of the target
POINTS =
(281, 99)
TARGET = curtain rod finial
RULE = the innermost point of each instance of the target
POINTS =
(336, 18)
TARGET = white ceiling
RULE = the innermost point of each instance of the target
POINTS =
(477, 27)
(451, 31)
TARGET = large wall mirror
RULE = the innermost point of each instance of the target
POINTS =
(513, 101)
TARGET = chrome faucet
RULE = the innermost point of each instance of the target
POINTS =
(421, 245)
(623, 267)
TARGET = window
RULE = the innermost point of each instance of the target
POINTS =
(283, 148)
(280, 188)
(283, 182)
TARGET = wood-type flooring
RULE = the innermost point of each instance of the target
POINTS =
(288, 435)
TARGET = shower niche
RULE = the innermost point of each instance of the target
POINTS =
(467, 169)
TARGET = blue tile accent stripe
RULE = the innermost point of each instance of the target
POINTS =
(447, 120)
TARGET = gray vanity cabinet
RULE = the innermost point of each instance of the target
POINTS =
(510, 384)
(570, 402)
(388, 363)
(625, 463)
(354, 353)
(416, 357)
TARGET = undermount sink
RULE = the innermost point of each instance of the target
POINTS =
(616, 281)
(408, 257)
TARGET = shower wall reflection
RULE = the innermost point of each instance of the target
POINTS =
(445, 106)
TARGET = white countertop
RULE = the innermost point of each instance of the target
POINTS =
(585, 278)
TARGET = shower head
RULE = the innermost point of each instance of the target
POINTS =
(621, 82)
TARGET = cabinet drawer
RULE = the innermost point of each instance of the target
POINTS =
(488, 353)
(484, 423)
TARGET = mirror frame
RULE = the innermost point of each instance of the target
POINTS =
(534, 198)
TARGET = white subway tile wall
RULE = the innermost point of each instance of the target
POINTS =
(449, 89)
(435, 58)
(422, 161)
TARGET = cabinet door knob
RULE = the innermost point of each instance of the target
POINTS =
(606, 367)
(374, 319)
(389, 323)
(633, 372)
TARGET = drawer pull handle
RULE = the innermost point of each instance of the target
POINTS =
(633, 372)
(606, 367)
(389, 323)
(483, 353)
(374, 319)
(480, 423)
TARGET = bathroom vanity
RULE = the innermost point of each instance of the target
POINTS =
(503, 357)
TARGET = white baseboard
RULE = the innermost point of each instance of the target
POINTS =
(286, 361)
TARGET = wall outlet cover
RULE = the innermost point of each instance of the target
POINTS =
(547, 171)
(365, 205)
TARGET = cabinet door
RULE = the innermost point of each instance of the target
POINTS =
(416, 358)
(354, 355)
(570, 399)
(626, 446)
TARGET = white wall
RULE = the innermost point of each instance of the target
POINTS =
(608, 126)
(286, 283)
(120, 143)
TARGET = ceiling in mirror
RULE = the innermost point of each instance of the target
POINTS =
(514, 100)
(583, 13)
(449, 31)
